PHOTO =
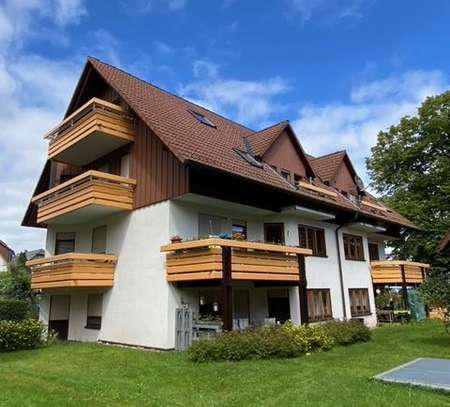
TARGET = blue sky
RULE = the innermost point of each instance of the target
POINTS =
(339, 70)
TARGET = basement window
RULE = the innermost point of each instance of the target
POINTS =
(203, 119)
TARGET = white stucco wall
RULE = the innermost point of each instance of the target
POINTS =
(321, 272)
(140, 308)
(136, 309)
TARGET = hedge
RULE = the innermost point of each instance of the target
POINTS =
(348, 332)
(14, 310)
(280, 341)
(19, 335)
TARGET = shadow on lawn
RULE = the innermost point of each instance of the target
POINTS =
(441, 341)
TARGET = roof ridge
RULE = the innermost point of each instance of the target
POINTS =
(169, 93)
(327, 155)
(272, 126)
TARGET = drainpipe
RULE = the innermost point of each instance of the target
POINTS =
(341, 274)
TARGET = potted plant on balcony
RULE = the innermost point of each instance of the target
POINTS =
(238, 236)
(176, 239)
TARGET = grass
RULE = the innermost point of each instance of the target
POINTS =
(76, 374)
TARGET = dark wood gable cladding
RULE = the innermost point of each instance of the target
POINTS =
(287, 155)
(159, 174)
(344, 179)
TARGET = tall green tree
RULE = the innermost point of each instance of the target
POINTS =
(15, 283)
(410, 168)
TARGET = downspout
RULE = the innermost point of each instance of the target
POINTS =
(341, 274)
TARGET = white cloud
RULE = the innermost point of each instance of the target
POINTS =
(327, 10)
(152, 6)
(372, 106)
(247, 102)
(20, 19)
(163, 48)
(33, 95)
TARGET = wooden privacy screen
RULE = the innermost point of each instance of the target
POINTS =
(252, 261)
(390, 272)
(90, 188)
(73, 270)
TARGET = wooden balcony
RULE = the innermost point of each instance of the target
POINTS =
(398, 272)
(73, 270)
(84, 198)
(251, 261)
(94, 130)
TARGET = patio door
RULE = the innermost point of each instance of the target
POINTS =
(278, 304)
(59, 315)
(241, 309)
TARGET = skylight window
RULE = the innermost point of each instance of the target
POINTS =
(203, 119)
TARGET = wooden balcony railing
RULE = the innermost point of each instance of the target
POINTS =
(252, 261)
(95, 129)
(101, 192)
(73, 270)
(398, 272)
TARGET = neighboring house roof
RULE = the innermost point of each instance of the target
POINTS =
(444, 245)
(34, 254)
(171, 118)
(7, 252)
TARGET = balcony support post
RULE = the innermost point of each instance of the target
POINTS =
(404, 287)
(302, 284)
(227, 290)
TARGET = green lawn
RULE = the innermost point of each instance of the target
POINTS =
(96, 375)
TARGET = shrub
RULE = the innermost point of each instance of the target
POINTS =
(14, 310)
(282, 341)
(347, 332)
(18, 335)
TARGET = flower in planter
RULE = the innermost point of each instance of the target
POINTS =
(238, 236)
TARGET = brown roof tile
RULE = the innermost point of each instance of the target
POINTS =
(263, 139)
(170, 118)
(326, 166)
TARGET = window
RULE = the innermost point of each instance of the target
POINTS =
(285, 174)
(210, 225)
(359, 301)
(319, 304)
(99, 240)
(125, 165)
(240, 227)
(104, 168)
(94, 311)
(274, 233)
(203, 119)
(312, 238)
(65, 242)
(353, 247)
(373, 252)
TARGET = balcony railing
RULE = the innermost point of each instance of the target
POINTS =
(250, 261)
(85, 197)
(94, 130)
(397, 272)
(73, 270)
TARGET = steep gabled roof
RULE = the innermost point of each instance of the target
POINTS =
(172, 120)
(327, 165)
(262, 140)
(6, 248)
